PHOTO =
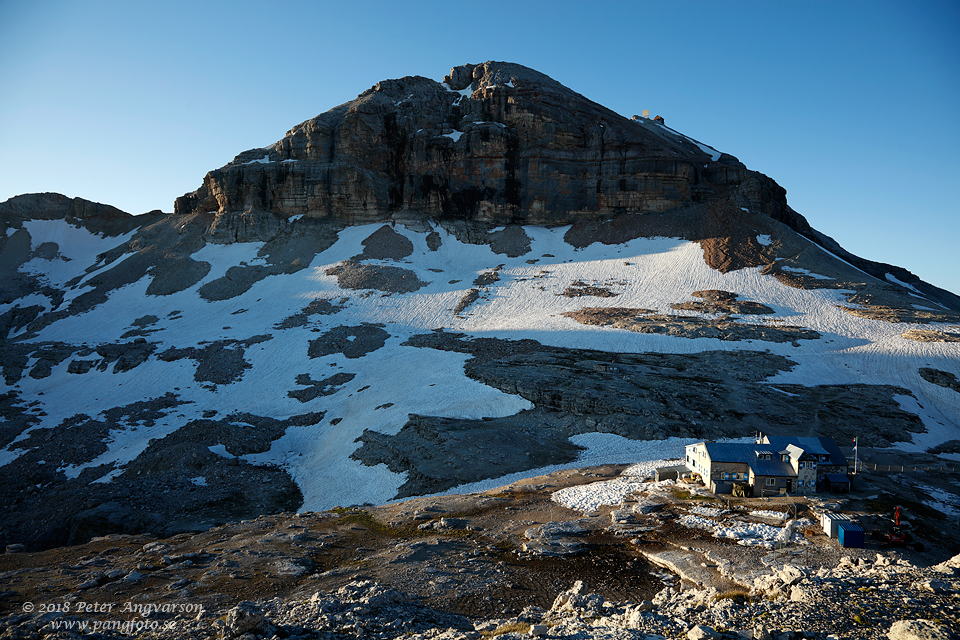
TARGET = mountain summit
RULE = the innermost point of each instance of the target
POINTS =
(435, 285)
(494, 142)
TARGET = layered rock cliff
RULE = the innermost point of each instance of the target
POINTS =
(494, 142)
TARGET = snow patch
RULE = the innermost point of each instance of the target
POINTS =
(764, 239)
(77, 249)
(763, 513)
(806, 272)
(890, 277)
(748, 534)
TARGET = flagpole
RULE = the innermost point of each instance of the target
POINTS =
(856, 454)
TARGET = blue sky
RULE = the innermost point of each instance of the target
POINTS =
(853, 107)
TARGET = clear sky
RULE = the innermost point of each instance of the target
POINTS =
(852, 106)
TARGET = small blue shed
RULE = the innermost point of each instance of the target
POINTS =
(850, 535)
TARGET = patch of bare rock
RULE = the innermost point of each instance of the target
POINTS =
(319, 306)
(219, 362)
(940, 378)
(316, 388)
(481, 282)
(184, 480)
(511, 240)
(724, 328)
(351, 274)
(385, 244)
(488, 278)
(874, 309)
(579, 288)
(930, 335)
(352, 342)
(468, 299)
(716, 301)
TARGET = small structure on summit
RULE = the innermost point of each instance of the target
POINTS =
(770, 466)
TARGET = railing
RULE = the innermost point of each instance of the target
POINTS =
(903, 468)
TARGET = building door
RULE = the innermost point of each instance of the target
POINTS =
(789, 485)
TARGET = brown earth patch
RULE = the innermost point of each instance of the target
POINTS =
(579, 288)
(924, 335)
(901, 315)
(689, 327)
(716, 301)
(488, 277)
(468, 299)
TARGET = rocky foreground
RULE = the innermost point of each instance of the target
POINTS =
(506, 563)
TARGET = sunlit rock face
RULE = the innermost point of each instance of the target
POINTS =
(494, 142)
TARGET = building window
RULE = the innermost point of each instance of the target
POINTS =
(726, 476)
(801, 465)
(771, 482)
(800, 482)
(813, 465)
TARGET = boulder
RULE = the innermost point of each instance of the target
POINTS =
(574, 599)
(761, 633)
(701, 632)
(802, 594)
(951, 566)
(934, 586)
(767, 584)
(791, 575)
(244, 618)
(919, 630)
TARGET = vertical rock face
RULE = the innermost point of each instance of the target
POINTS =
(495, 142)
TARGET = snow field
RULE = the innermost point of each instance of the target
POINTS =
(648, 273)
(77, 249)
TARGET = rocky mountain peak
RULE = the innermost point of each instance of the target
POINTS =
(495, 142)
(55, 206)
(78, 212)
